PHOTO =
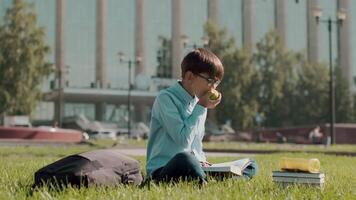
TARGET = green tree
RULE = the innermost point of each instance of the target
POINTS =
(278, 79)
(240, 90)
(238, 86)
(164, 58)
(294, 91)
(314, 95)
(23, 59)
(219, 42)
(311, 98)
(274, 82)
(353, 107)
(343, 99)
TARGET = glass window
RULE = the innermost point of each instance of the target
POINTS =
(46, 18)
(72, 109)
(194, 16)
(44, 111)
(157, 24)
(230, 17)
(264, 18)
(353, 41)
(120, 37)
(79, 41)
(329, 9)
(4, 5)
(296, 25)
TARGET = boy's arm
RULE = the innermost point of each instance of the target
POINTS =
(181, 131)
(198, 149)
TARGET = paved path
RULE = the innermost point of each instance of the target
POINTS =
(142, 152)
(136, 151)
(130, 151)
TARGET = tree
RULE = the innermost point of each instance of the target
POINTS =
(343, 99)
(311, 99)
(23, 60)
(219, 42)
(276, 66)
(164, 58)
(279, 84)
(238, 86)
(294, 91)
(240, 89)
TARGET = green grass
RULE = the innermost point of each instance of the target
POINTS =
(18, 165)
(120, 142)
(286, 147)
(236, 146)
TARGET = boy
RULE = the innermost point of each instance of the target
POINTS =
(174, 148)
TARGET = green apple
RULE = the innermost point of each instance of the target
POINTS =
(214, 94)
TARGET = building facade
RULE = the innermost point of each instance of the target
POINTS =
(86, 35)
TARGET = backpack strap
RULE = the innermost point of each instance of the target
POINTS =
(146, 182)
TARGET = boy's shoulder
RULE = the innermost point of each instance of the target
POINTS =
(167, 91)
(164, 93)
(168, 94)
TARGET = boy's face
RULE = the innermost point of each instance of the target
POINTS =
(202, 84)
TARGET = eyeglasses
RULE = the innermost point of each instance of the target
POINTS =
(210, 81)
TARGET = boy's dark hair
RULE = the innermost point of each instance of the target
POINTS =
(201, 60)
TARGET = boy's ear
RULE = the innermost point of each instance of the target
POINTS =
(188, 75)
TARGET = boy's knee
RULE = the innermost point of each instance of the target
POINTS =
(187, 158)
(184, 155)
(189, 163)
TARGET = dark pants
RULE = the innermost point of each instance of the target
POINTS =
(182, 166)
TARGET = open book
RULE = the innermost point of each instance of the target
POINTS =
(234, 168)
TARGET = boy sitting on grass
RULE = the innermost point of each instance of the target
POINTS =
(179, 112)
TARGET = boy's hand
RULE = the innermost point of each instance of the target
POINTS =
(207, 102)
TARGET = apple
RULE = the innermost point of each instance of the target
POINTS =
(214, 94)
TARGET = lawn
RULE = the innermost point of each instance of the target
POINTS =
(238, 146)
(18, 165)
(278, 147)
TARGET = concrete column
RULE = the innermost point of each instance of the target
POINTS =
(313, 32)
(139, 37)
(177, 45)
(247, 23)
(213, 16)
(344, 48)
(139, 112)
(139, 50)
(59, 60)
(213, 11)
(280, 19)
(101, 47)
(101, 19)
(100, 111)
(60, 13)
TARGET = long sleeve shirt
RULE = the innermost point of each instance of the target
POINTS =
(177, 125)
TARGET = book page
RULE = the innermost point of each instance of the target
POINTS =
(242, 163)
(235, 167)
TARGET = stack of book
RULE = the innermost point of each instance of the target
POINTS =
(287, 177)
(299, 171)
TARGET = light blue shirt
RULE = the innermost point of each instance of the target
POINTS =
(177, 125)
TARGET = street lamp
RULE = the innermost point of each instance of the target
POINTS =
(122, 59)
(341, 16)
(185, 40)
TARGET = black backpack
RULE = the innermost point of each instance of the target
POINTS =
(105, 167)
